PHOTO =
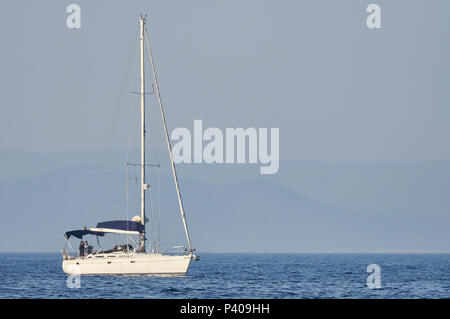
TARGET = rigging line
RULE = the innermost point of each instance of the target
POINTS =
(130, 117)
(140, 165)
(132, 194)
(169, 146)
(107, 152)
(159, 210)
(152, 127)
(152, 240)
(110, 139)
(126, 186)
(151, 209)
(141, 93)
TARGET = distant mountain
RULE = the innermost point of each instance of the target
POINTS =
(230, 208)
(411, 188)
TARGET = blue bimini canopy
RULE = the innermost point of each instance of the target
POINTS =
(119, 226)
(79, 233)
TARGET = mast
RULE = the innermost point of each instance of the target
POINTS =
(169, 146)
(143, 185)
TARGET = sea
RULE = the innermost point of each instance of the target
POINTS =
(277, 276)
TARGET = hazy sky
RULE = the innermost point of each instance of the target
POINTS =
(337, 90)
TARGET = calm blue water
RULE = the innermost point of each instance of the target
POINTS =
(240, 276)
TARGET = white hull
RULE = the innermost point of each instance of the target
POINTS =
(128, 264)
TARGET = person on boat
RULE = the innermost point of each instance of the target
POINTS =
(81, 249)
(86, 248)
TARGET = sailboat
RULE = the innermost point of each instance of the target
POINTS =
(124, 259)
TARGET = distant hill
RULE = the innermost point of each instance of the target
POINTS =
(307, 207)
